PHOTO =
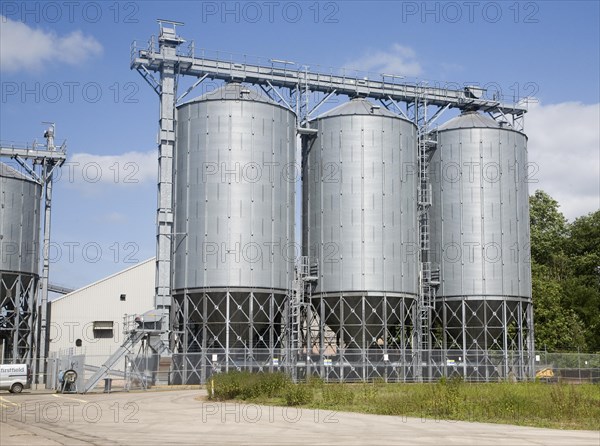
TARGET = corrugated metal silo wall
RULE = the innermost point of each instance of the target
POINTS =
(234, 253)
(20, 200)
(480, 230)
(359, 200)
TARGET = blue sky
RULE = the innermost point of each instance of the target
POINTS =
(70, 65)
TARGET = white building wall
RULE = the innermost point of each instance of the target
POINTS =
(73, 315)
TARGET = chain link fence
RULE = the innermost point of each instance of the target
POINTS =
(143, 371)
(568, 367)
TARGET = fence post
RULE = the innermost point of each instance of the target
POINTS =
(579, 364)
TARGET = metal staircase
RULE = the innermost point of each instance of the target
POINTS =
(147, 326)
(126, 347)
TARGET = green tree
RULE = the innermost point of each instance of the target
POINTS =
(556, 328)
(584, 246)
(548, 229)
(565, 277)
(581, 291)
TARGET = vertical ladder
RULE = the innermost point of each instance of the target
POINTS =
(296, 304)
(426, 288)
(305, 274)
(299, 320)
(424, 244)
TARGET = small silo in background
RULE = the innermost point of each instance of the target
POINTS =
(20, 199)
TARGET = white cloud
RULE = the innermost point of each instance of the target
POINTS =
(26, 48)
(128, 169)
(564, 141)
(398, 59)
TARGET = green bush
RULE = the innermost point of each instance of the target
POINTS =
(337, 394)
(379, 382)
(250, 386)
(298, 394)
(369, 391)
(246, 385)
(227, 386)
(316, 382)
(447, 397)
(273, 384)
(509, 403)
(392, 404)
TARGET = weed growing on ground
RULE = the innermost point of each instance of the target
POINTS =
(531, 404)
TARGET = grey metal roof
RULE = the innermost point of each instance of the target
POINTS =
(8, 172)
(233, 91)
(358, 106)
(105, 279)
(469, 120)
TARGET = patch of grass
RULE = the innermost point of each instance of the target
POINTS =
(246, 385)
(564, 406)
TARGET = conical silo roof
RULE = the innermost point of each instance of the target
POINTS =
(234, 91)
(470, 120)
(7, 171)
(358, 106)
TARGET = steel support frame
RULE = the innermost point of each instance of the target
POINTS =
(487, 338)
(18, 320)
(359, 351)
(228, 329)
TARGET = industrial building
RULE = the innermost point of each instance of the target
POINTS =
(415, 234)
(89, 321)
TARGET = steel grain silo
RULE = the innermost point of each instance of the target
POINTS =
(20, 198)
(234, 221)
(359, 210)
(480, 235)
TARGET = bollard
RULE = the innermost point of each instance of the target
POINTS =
(107, 385)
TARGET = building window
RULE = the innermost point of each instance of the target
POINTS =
(103, 329)
(123, 297)
(78, 343)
